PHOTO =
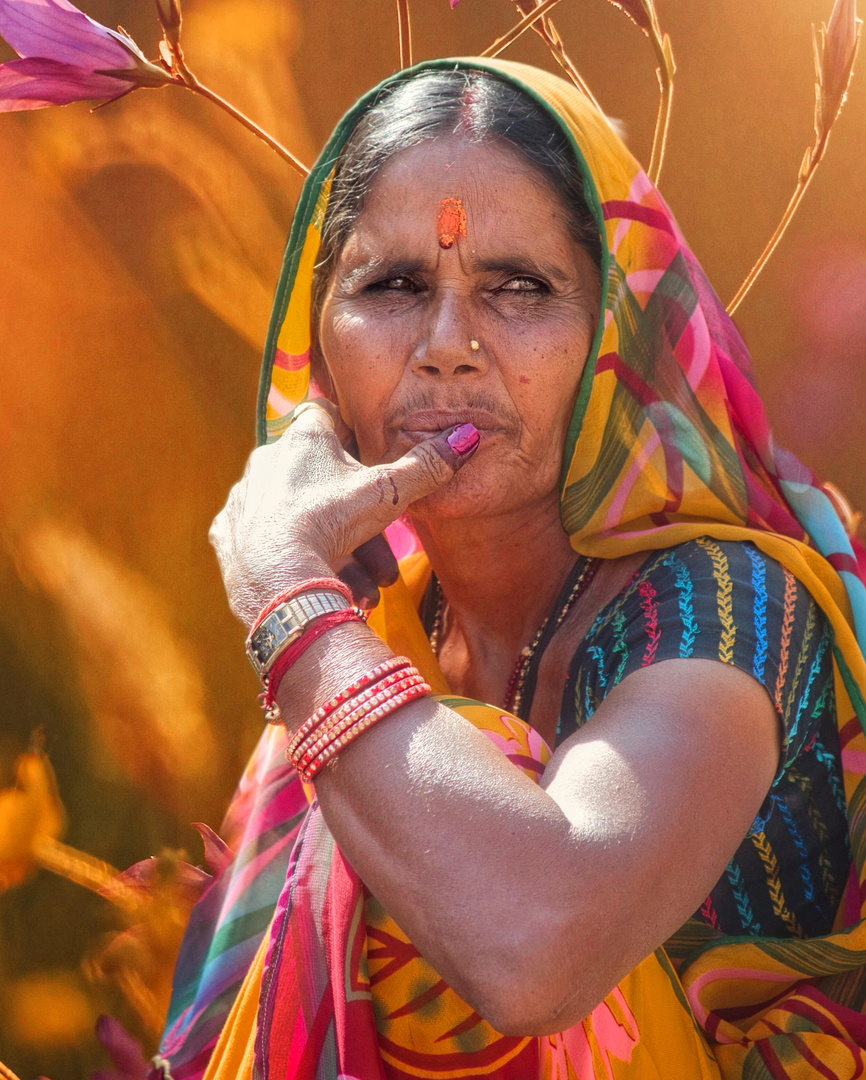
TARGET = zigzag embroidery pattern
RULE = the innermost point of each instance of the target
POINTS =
(759, 584)
(738, 886)
(799, 844)
(777, 896)
(821, 831)
(802, 656)
(651, 621)
(685, 591)
(787, 627)
(724, 602)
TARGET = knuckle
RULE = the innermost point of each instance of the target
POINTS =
(431, 462)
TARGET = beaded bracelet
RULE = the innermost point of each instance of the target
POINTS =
(343, 719)
(329, 717)
(388, 666)
(293, 653)
(365, 721)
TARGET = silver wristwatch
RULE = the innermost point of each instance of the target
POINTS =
(286, 623)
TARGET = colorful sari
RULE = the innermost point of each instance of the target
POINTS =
(304, 975)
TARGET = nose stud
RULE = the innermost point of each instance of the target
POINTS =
(473, 345)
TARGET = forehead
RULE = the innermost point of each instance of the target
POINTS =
(505, 199)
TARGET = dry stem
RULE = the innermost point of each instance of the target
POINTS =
(502, 43)
(665, 73)
(171, 55)
(192, 83)
(803, 181)
(834, 67)
(404, 29)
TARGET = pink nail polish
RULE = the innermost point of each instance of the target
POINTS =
(463, 439)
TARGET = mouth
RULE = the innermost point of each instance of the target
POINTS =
(418, 426)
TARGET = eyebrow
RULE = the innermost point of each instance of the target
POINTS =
(377, 266)
(520, 265)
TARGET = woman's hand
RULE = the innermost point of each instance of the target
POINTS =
(304, 505)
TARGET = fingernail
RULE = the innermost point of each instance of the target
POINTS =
(463, 439)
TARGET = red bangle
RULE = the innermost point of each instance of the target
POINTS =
(293, 653)
(367, 720)
(332, 584)
(392, 664)
(345, 717)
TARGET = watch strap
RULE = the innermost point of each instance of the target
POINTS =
(286, 623)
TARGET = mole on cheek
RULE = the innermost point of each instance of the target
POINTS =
(450, 222)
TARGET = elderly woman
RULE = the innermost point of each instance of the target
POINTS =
(513, 346)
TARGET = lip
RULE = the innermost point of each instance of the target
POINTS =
(425, 423)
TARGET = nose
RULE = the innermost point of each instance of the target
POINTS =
(448, 346)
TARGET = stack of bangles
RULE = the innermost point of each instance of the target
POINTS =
(284, 631)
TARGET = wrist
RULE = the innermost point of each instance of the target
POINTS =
(259, 591)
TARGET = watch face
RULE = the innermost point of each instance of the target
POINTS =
(285, 625)
(262, 644)
(265, 640)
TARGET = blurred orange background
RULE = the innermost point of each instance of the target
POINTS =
(139, 248)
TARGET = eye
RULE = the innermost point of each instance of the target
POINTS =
(398, 283)
(524, 285)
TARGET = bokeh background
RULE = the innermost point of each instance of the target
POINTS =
(139, 248)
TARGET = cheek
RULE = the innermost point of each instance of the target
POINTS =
(364, 376)
(545, 389)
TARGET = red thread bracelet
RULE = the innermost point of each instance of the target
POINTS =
(331, 584)
(349, 713)
(290, 656)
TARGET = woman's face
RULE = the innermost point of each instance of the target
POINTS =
(404, 306)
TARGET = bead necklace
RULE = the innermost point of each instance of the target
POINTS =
(583, 573)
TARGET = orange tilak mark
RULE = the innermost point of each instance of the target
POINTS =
(450, 222)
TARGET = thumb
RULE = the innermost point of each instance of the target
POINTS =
(426, 467)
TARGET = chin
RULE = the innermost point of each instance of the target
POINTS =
(473, 493)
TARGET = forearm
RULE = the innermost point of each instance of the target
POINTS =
(454, 841)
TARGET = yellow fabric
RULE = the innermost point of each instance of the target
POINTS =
(232, 1058)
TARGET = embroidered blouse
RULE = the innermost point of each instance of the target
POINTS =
(729, 602)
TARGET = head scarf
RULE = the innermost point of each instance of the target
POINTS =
(668, 442)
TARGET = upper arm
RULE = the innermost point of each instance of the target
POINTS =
(679, 751)
(660, 789)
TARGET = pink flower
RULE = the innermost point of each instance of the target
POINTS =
(125, 1053)
(66, 56)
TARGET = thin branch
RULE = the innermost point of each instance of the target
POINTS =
(803, 181)
(665, 74)
(192, 83)
(172, 59)
(834, 68)
(518, 29)
(550, 35)
(404, 30)
(643, 14)
(537, 19)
